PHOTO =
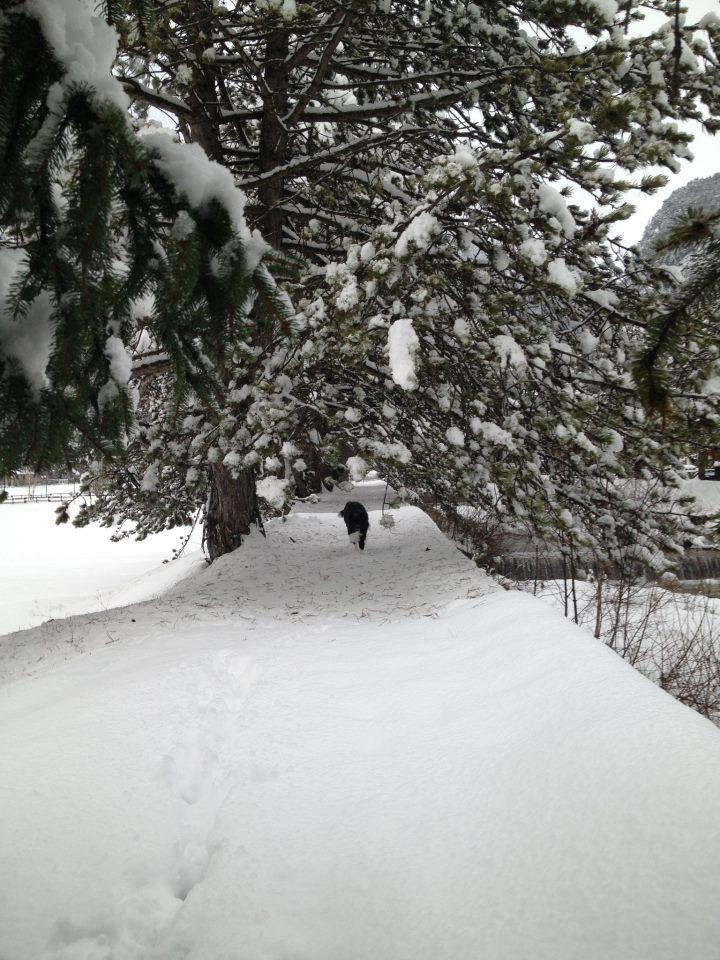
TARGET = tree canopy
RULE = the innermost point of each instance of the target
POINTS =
(445, 178)
(98, 222)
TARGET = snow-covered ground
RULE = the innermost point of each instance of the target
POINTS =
(706, 494)
(672, 636)
(54, 571)
(306, 752)
(43, 489)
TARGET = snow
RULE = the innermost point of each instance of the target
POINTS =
(420, 231)
(107, 393)
(232, 460)
(150, 480)
(607, 9)
(604, 298)
(144, 306)
(455, 436)
(687, 57)
(533, 249)
(709, 20)
(403, 345)
(492, 433)
(672, 636)
(501, 259)
(201, 180)
(288, 10)
(49, 571)
(562, 276)
(581, 131)
(550, 201)
(461, 328)
(273, 490)
(465, 158)
(509, 350)
(367, 251)
(308, 752)
(706, 494)
(84, 45)
(349, 296)
(288, 449)
(588, 342)
(357, 467)
(119, 360)
(28, 339)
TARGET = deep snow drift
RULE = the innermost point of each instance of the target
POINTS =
(309, 753)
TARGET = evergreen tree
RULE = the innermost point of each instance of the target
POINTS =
(678, 372)
(460, 322)
(507, 384)
(105, 235)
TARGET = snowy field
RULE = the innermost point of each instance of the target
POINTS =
(49, 571)
(305, 752)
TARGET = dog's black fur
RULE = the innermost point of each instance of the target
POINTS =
(357, 522)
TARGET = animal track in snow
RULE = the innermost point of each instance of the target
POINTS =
(197, 768)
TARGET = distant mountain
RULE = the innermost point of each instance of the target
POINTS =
(700, 194)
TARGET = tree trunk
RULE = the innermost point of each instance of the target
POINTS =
(232, 510)
(273, 136)
(599, 573)
(702, 462)
(204, 124)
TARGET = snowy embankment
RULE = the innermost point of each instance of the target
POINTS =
(706, 494)
(310, 752)
(48, 570)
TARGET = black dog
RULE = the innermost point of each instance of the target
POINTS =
(357, 522)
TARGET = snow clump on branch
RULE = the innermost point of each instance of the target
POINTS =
(403, 345)
(28, 340)
(85, 46)
(273, 490)
(201, 180)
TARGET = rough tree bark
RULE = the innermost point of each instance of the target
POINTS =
(273, 136)
(232, 510)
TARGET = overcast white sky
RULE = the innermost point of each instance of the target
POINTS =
(706, 150)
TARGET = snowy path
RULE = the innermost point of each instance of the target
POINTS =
(309, 753)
